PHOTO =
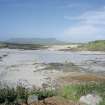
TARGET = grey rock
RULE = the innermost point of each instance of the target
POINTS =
(32, 99)
(91, 99)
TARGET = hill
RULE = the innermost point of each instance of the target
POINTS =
(98, 45)
(35, 41)
(22, 46)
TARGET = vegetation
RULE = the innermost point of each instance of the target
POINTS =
(74, 92)
(21, 46)
(9, 96)
(42, 94)
(98, 45)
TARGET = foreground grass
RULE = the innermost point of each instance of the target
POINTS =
(74, 92)
(9, 96)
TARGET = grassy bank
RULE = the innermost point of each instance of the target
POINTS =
(98, 45)
(74, 92)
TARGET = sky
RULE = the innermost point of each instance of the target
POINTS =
(68, 20)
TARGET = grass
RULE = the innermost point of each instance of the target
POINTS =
(74, 92)
(42, 94)
(98, 45)
(9, 96)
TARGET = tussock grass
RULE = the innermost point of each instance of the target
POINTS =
(75, 91)
(98, 45)
(9, 96)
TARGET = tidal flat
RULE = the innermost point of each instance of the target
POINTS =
(35, 67)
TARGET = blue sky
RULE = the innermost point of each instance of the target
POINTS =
(70, 20)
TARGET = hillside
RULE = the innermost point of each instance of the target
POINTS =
(21, 46)
(35, 41)
(98, 45)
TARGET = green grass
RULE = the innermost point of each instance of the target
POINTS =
(98, 45)
(69, 92)
(42, 94)
(9, 96)
(74, 92)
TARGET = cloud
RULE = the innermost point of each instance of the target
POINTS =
(92, 17)
(81, 29)
(90, 25)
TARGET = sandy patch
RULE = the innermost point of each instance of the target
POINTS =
(62, 47)
(76, 77)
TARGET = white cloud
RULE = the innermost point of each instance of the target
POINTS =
(90, 25)
(91, 17)
(81, 29)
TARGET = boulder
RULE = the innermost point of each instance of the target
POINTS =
(32, 99)
(91, 99)
(20, 102)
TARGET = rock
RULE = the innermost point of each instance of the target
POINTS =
(91, 99)
(20, 102)
(32, 99)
